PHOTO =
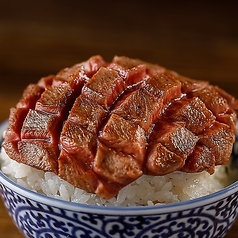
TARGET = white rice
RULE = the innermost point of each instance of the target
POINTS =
(147, 190)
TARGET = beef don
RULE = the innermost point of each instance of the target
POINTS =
(101, 125)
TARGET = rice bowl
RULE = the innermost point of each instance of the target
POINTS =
(102, 125)
(120, 149)
(147, 190)
(215, 212)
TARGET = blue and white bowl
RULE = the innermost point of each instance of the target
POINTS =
(36, 215)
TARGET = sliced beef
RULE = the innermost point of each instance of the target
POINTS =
(73, 77)
(124, 136)
(75, 172)
(101, 125)
(164, 86)
(128, 64)
(16, 118)
(189, 86)
(132, 72)
(13, 132)
(116, 166)
(93, 64)
(39, 125)
(193, 112)
(106, 188)
(229, 118)
(219, 138)
(175, 137)
(56, 100)
(213, 100)
(161, 161)
(104, 87)
(202, 159)
(139, 107)
(88, 114)
(230, 99)
(39, 154)
(79, 142)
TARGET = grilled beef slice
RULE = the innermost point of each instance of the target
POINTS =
(100, 125)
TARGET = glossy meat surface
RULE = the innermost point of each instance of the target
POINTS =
(101, 125)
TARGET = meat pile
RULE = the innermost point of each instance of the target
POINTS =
(100, 125)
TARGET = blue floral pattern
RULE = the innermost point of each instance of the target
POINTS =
(38, 220)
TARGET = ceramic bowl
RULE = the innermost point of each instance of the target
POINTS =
(36, 215)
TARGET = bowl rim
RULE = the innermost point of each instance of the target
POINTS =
(115, 210)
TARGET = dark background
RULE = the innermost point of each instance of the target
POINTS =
(198, 39)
